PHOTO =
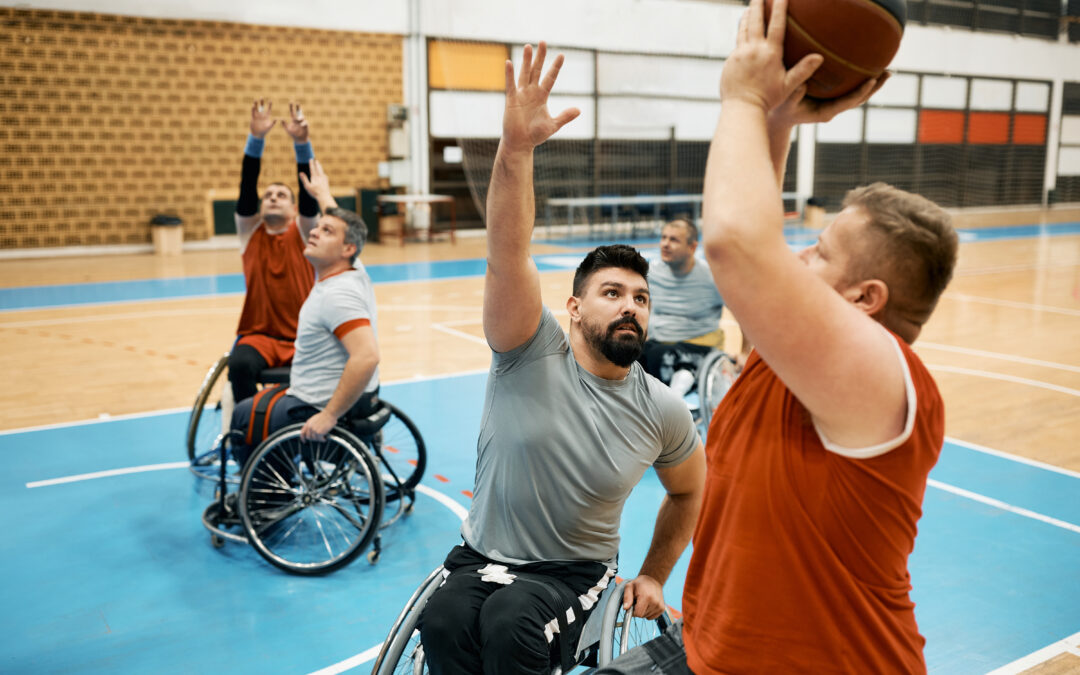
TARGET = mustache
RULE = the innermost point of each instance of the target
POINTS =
(626, 322)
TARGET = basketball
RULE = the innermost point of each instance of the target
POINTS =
(858, 39)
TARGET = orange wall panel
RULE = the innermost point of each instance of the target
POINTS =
(1029, 129)
(988, 128)
(467, 65)
(941, 126)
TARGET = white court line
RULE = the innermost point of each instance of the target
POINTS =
(457, 333)
(1039, 657)
(457, 509)
(1006, 378)
(997, 355)
(963, 297)
(990, 501)
(105, 474)
(170, 411)
(1015, 458)
(351, 662)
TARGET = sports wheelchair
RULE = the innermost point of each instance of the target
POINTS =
(609, 631)
(310, 507)
(714, 377)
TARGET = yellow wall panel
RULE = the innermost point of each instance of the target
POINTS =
(466, 65)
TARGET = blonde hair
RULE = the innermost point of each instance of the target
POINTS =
(913, 251)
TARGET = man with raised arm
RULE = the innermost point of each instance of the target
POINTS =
(337, 354)
(272, 236)
(570, 425)
(819, 454)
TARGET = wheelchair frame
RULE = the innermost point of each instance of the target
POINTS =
(608, 632)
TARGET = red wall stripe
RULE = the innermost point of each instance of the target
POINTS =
(988, 128)
(1029, 129)
(941, 126)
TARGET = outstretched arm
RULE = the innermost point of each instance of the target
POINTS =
(685, 485)
(297, 127)
(363, 351)
(318, 186)
(247, 204)
(838, 361)
(512, 302)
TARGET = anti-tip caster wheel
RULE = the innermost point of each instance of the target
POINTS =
(373, 557)
(217, 541)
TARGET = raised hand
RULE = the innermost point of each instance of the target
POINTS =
(318, 186)
(261, 120)
(526, 120)
(800, 109)
(296, 125)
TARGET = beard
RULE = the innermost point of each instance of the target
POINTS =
(622, 350)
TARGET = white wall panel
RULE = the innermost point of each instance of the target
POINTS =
(470, 114)
(641, 118)
(944, 92)
(1032, 96)
(658, 76)
(576, 75)
(890, 126)
(991, 95)
(844, 128)
(1070, 129)
(899, 89)
(1069, 162)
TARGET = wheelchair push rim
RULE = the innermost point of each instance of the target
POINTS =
(310, 507)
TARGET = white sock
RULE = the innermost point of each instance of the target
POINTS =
(682, 381)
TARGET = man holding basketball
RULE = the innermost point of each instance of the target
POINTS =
(819, 455)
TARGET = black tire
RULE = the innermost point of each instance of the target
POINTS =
(311, 507)
(716, 375)
(206, 412)
(400, 447)
(401, 652)
(620, 631)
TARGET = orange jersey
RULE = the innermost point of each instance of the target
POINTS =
(800, 553)
(278, 279)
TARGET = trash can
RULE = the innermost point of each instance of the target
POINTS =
(167, 233)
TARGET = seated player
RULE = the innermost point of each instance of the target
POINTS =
(272, 236)
(335, 369)
(686, 309)
(570, 424)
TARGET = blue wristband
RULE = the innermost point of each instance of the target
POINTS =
(304, 153)
(254, 147)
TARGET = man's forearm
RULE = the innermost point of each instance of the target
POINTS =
(358, 372)
(307, 204)
(779, 147)
(511, 205)
(674, 527)
(247, 204)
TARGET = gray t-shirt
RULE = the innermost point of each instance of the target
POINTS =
(335, 305)
(560, 449)
(683, 307)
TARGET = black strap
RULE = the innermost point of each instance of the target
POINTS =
(563, 599)
(260, 410)
(668, 655)
(247, 204)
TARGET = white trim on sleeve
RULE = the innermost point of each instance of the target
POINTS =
(909, 424)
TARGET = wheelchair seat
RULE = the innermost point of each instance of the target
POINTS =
(608, 632)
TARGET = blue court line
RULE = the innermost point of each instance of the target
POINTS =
(62, 295)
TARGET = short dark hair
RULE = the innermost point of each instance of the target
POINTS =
(355, 229)
(691, 228)
(292, 195)
(616, 255)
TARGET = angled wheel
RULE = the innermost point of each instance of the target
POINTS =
(402, 652)
(716, 375)
(213, 405)
(620, 631)
(310, 507)
(401, 448)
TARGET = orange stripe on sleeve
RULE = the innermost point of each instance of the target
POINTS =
(349, 326)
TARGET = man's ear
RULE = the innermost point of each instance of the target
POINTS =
(870, 296)
(349, 251)
(573, 306)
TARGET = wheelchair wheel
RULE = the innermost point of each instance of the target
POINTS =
(310, 507)
(620, 631)
(401, 448)
(213, 401)
(402, 652)
(715, 377)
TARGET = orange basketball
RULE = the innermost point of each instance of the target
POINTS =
(858, 39)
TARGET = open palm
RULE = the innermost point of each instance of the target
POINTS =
(261, 119)
(526, 120)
